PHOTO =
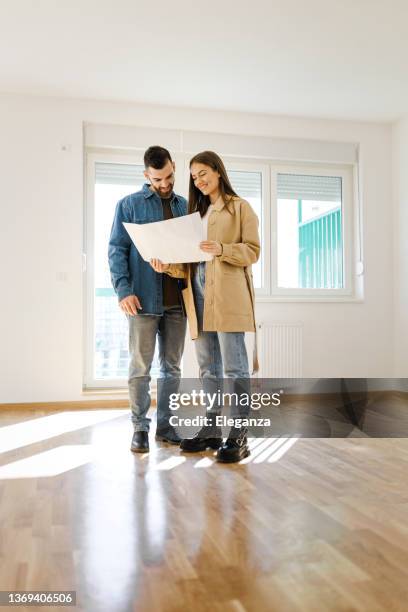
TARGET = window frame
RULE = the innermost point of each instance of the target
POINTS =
(347, 212)
(261, 167)
(269, 292)
(265, 221)
(92, 157)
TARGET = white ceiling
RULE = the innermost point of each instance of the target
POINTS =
(321, 58)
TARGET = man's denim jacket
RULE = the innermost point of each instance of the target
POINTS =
(130, 274)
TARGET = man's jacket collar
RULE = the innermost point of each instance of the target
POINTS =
(147, 192)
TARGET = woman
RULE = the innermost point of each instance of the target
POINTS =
(219, 297)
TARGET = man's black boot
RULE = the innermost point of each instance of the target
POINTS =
(140, 442)
(235, 446)
(168, 435)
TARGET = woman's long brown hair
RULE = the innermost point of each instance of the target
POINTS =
(198, 201)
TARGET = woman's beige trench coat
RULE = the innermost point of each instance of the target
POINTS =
(229, 301)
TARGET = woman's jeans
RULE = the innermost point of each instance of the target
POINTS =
(220, 355)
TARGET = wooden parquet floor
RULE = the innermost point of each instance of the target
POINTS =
(301, 525)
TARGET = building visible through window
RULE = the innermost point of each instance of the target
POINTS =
(310, 235)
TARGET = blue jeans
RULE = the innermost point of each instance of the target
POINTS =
(219, 354)
(170, 329)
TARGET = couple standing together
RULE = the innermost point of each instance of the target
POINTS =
(218, 295)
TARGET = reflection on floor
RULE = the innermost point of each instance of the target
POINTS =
(301, 524)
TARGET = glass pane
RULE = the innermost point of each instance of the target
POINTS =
(248, 185)
(112, 182)
(310, 232)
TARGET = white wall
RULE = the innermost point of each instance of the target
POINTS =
(400, 189)
(41, 240)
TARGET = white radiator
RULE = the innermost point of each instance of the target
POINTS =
(280, 350)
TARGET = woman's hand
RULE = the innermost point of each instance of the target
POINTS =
(159, 266)
(211, 246)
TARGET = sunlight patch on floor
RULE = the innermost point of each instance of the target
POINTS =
(49, 463)
(43, 428)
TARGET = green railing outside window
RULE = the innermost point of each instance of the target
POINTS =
(321, 251)
(104, 292)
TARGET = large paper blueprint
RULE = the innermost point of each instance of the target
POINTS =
(172, 241)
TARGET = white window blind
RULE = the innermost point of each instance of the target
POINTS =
(246, 184)
(308, 187)
(119, 174)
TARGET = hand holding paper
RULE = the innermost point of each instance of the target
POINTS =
(211, 246)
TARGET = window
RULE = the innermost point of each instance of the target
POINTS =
(248, 184)
(251, 182)
(107, 326)
(306, 218)
(312, 231)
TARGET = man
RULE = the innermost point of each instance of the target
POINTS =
(151, 301)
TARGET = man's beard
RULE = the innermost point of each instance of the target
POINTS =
(163, 194)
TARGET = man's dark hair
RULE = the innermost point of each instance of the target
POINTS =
(156, 157)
